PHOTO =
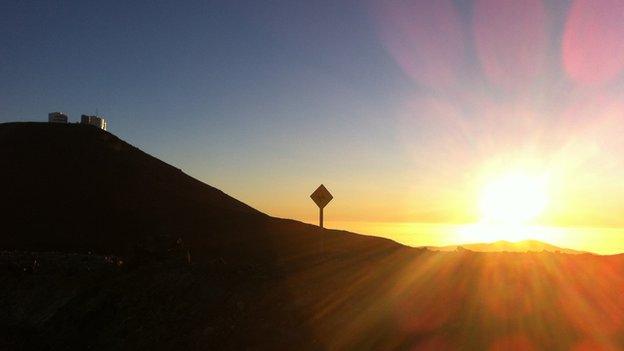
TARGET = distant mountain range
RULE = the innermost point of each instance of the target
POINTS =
(508, 246)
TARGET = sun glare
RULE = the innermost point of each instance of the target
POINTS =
(514, 199)
(509, 205)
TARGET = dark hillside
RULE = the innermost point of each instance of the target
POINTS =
(74, 187)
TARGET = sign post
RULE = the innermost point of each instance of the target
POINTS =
(321, 197)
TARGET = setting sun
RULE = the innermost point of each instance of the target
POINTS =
(515, 198)
(509, 204)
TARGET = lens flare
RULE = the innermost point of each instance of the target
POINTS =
(426, 39)
(593, 45)
(511, 40)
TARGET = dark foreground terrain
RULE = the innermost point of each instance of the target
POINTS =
(107, 248)
(397, 300)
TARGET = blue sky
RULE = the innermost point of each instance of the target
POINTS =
(233, 92)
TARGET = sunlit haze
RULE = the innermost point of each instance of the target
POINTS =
(431, 122)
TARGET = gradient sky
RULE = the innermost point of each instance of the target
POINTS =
(403, 109)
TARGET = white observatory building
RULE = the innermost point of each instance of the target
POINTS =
(96, 121)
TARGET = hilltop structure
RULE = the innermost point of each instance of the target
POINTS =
(97, 121)
(57, 117)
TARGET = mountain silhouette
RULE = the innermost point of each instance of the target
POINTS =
(508, 246)
(73, 187)
(103, 247)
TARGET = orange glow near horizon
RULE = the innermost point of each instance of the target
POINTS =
(516, 156)
(512, 130)
(599, 240)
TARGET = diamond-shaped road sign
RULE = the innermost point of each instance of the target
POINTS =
(321, 196)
